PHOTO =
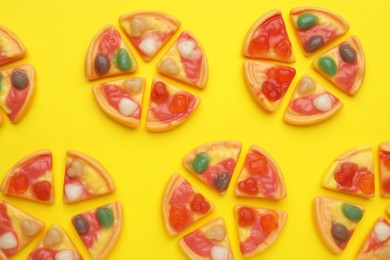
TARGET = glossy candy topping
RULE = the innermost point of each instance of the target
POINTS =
(345, 173)
(352, 212)
(29, 228)
(306, 85)
(19, 79)
(314, 43)
(327, 65)
(199, 204)
(42, 190)
(381, 231)
(19, 183)
(249, 186)
(53, 237)
(123, 60)
(105, 217)
(201, 162)
(221, 181)
(159, 93)
(339, 233)
(180, 103)
(347, 53)
(102, 64)
(305, 21)
(246, 216)
(216, 233)
(81, 225)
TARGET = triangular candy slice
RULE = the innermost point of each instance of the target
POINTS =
(169, 106)
(108, 55)
(208, 242)
(311, 104)
(122, 100)
(56, 244)
(148, 31)
(343, 65)
(85, 178)
(377, 244)
(336, 221)
(11, 48)
(384, 169)
(258, 228)
(99, 228)
(268, 39)
(260, 176)
(316, 27)
(214, 163)
(352, 173)
(31, 178)
(17, 85)
(182, 205)
(185, 61)
(267, 83)
(17, 229)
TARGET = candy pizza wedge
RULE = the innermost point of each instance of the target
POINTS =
(17, 85)
(260, 176)
(185, 61)
(352, 173)
(99, 228)
(268, 39)
(11, 48)
(85, 178)
(258, 228)
(182, 205)
(168, 106)
(377, 244)
(336, 220)
(17, 229)
(343, 65)
(108, 55)
(213, 163)
(209, 242)
(311, 104)
(384, 169)
(267, 83)
(31, 178)
(316, 27)
(56, 244)
(148, 31)
(122, 100)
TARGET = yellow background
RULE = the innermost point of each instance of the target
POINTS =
(64, 116)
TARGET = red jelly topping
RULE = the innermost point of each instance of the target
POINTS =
(5, 227)
(199, 204)
(246, 216)
(159, 93)
(109, 43)
(346, 74)
(15, 101)
(279, 79)
(42, 190)
(305, 105)
(94, 227)
(192, 67)
(198, 243)
(114, 95)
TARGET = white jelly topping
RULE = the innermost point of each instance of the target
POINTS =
(64, 255)
(185, 48)
(382, 231)
(73, 191)
(29, 227)
(134, 85)
(323, 102)
(8, 241)
(169, 66)
(127, 107)
(149, 46)
(219, 253)
(306, 85)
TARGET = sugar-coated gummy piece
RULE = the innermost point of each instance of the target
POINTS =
(203, 243)
(330, 222)
(85, 178)
(149, 31)
(160, 116)
(268, 39)
(122, 100)
(269, 182)
(221, 161)
(352, 173)
(384, 168)
(30, 172)
(114, 58)
(321, 28)
(311, 103)
(11, 48)
(185, 61)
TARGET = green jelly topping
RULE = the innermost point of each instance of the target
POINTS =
(201, 162)
(328, 65)
(105, 217)
(306, 21)
(351, 212)
(123, 60)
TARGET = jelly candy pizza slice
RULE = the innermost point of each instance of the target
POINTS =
(213, 163)
(343, 65)
(268, 39)
(31, 178)
(267, 83)
(311, 103)
(258, 228)
(182, 205)
(260, 176)
(17, 229)
(336, 220)
(208, 242)
(352, 173)
(316, 27)
(384, 169)
(99, 228)
(122, 100)
(11, 48)
(56, 244)
(85, 178)
(377, 244)
(148, 31)
(17, 85)
(108, 55)
(168, 106)
(185, 61)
